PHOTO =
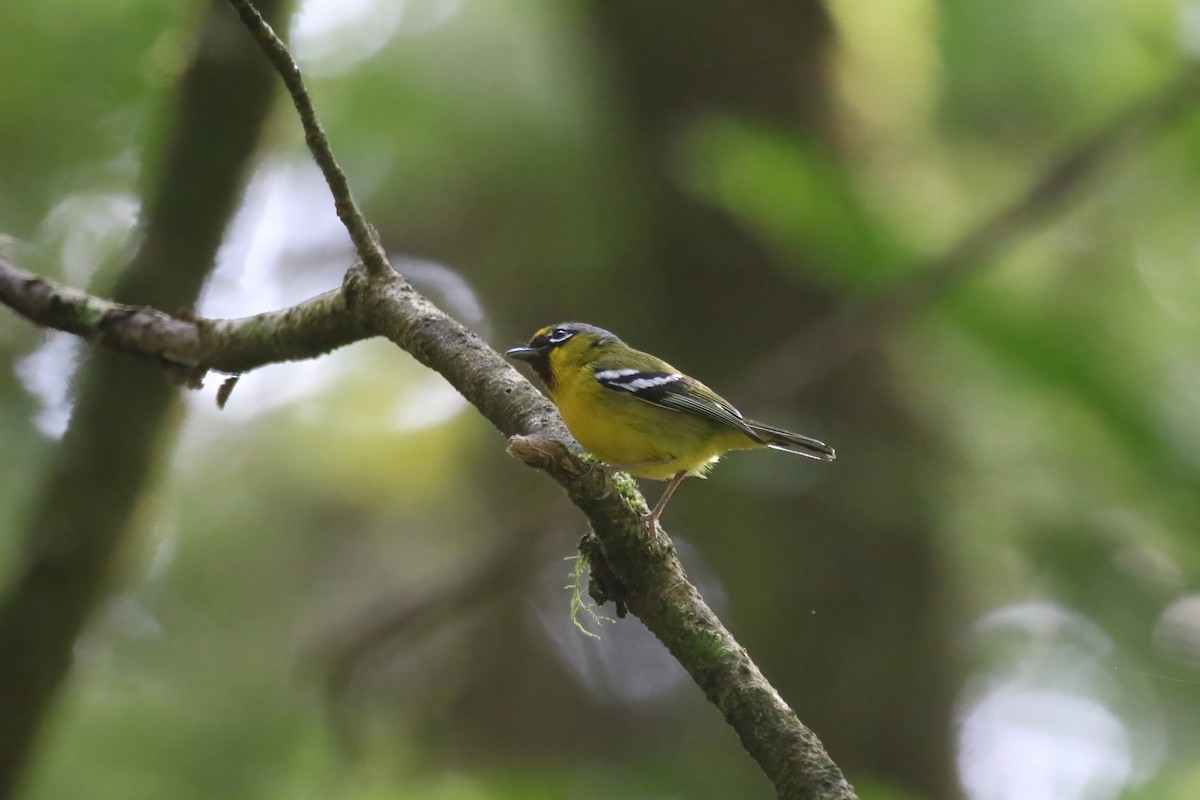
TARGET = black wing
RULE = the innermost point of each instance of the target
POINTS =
(676, 392)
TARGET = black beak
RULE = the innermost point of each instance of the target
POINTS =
(523, 353)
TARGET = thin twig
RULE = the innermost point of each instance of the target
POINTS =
(652, 581)
(364, 236)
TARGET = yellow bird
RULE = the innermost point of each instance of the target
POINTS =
(637, 413)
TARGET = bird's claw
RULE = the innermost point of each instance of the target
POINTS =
(608, 480)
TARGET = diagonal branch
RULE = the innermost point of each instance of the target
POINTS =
(832, 342)
(366, 240)
(653, 585)
(375, 300)
(644, 576)
(1049, 193)
(649, 579)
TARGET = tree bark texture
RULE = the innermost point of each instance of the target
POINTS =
(115, 437)
(828, 548)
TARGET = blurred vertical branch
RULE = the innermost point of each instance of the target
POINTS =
(663, 99)
(678, 65)
(87, 499)
(653, 580)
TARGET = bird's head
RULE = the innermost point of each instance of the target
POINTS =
(563, 346)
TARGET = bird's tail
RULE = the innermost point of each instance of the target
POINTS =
(779, 439)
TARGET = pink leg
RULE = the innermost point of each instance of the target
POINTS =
(651, 519)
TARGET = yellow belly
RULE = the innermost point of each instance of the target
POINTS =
(645, 440)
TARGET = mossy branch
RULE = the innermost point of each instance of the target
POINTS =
(639, 573)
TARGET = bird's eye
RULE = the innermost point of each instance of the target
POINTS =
(559, 335)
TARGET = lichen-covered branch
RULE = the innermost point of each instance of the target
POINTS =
(650, 581)
(654, 586)
(135, 329)
(306, 330)
(375, 300)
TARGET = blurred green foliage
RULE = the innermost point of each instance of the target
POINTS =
(1057, 389)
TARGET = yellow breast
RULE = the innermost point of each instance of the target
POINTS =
(643, 439)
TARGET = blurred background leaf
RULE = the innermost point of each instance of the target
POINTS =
(993, 592)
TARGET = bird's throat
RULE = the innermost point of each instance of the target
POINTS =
(541, 365)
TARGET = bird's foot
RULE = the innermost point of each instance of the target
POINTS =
(650, 520)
